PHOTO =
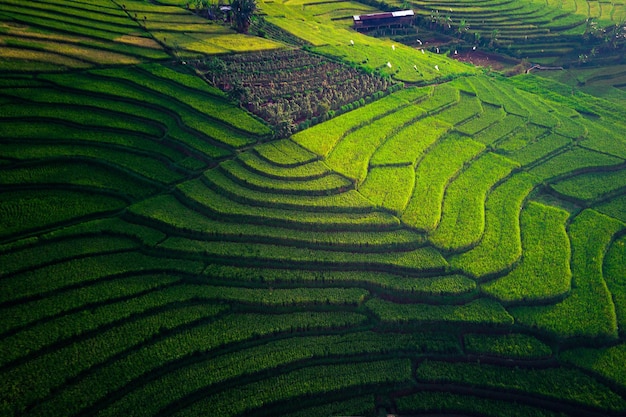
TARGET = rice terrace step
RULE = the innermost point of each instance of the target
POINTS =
(257, 208)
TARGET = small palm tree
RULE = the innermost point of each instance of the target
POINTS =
(242, 13)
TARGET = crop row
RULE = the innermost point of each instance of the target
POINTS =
(325, 185)
(145, 297)
(184, 125)
(463, 219)
(512, 345)
(50, 327)
(350, 212)
(321, 139)
(439, 286)
(521, 138)
(27, 210)
(438, 167)
(500, 246)
(419, 260)
(539, 147)
(206, 102)
(409, 144)
(110, 226)
(427, 401)
(260, 164)
(106, 36)
(352, 154)
(35, 314)
(310, 381)
(541, 274)
(491, 114)
(35, 378)
(44, 252)
(389, 187)
(197, 376)
(346, 202)
(25, 145)
(56, 173)
(605, 362)
(575, 159)
(81, 271)
(606, 140)
(284, 153)
(481, 312)
(613, 268)
(121, 342)
(614, 208)
(168, 213)
(501, 129)
(592, 186)
(555, 383)
(590, 235)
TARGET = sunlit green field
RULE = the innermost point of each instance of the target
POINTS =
(453, 242)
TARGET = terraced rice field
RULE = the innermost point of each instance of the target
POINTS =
(542, 31)
(453, 248)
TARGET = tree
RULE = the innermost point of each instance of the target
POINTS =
(242, 13)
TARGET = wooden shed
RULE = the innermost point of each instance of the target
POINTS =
(401, 18)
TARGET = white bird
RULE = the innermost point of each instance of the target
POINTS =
(393, 47)
(474, 48)
(418, 41)
(437, 50)
(422, 51)
(455, 52)
(437, 67)
(389, 64)
(351, 42)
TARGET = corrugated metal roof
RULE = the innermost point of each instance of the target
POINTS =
(385, 15)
